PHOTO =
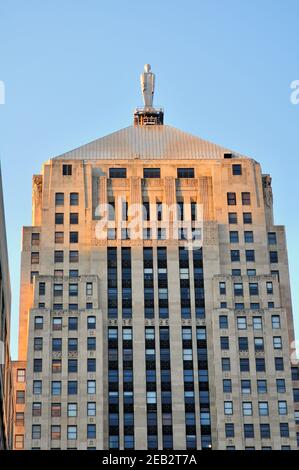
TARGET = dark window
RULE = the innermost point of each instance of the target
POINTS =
(91, 323)
(72, 387)
(272, 240)
(59, 199)
(260, 364)
(223, 321)
(151, 172)
(237, 169)
(248, 431)
(73, 323)
(235, 255)
(56, 344)
(224, 342)
(72, 365)
(284, 430)
(35, 238)
(247, 218)
(253, 288)
(42, 288)
(117, 172)
(74, 256)
(37, 365)
(38, 323)
(243, 343)
(59, 218)
(35, 257)
(250, 255)
(91, 343)
(74, 199)
(234, 237)
(74, 218)
(227, 386)
(59, 237)
(72, 344)
(265, 431)
(244, 365)
(185, 172)
(273, 255)
(279, 365)
(91, 365)
(225, 361)
(231, 199)
(229, 430)
(248, 237)
(232, 218)
(74, 237)
(246, 199)
(295, 373)
(66, 170)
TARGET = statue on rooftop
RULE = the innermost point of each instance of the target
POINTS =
(147, 80)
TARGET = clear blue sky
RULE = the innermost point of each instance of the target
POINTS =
(224, 68)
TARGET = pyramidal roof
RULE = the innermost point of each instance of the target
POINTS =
(158, 142)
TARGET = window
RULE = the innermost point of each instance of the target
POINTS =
(41, 288)
(246, 387)
(279, 365)
(73, 323)
(242, 323)
(237, 169)
(258, 344)
(72, 409)
(57, 290)
(35, 238)
(72, 366)
(89, 288)
(59, 237)
(247, 408)
(74, 218)
(232, 218)
(281, 386)
(91, 343)
(67, 170)
(263, 408)
(231, 199)
(246, 199)
(235, 255)
(223, 321)
(56, 366)
(56, 344)
(272, 238)
(253, 288)
(59, 218)
(74, 237)
(251, 272)
(57, 324)
(58, 256)
(19, 418)
(19, 441)
(37, 365)
(74, 257)
(238, 289)
(36, 431)
(36, 408)
(185, 172)
(91, 387)
(269, 286)
(55, 432)
(261, 386)
(222, 288)
(247, 218)
(295, 373)
(59, 199)
(234, 237)
(225, 362)
(72, 387)
(117, 172)
(91, 365)
(277, 342)
(151, 172)
(265, 431)
(223, 304)
(33, 274)
(72, 433)
(224, 343)
(35, 257)
(250, 255)
(284, 430)
(244, 365)
(260, 364)
(73, 290)
(243, 343)
(73, 273)
(91, 431)
(282, 407)
(91, 323)
(74, 199)
(72, 344)
(273, 256)
(257, 323)
(21, 375)
(37, 387)
(229, 430)
(248, 431)
(228, 407)
(297, 416)
(227, 386)
(91, 408)
(56, 388)
(20, 396)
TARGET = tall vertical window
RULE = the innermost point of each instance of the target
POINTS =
(162, 282)
(151, 388)
(112, 282)
(189, 390)
(128, 387)
(166, 392)
(126, 282)
(148, 280)
(184, 283)
(113, 388)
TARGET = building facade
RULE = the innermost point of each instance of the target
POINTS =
(6, 382)
(167, 328)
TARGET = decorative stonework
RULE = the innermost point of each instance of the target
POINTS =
(268, 195)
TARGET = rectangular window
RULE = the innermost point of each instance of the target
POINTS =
(277, 342)
(91, 431)
(36, 431)
(273, 257)
(260, 364)
(247, 218)
(117, 172)
(272, 240)
(238, 289)
(56, 388)
(59, 218)
(91, 408)
(35, 238)
(58, 256)
(91, 387)
(74, 256)
(263, 408)
(35, 257)
(74, 237)
(253, 288)
(72, 410)
(228, 407)
(57, 324)
(223, 321)
(36, 408)
(73, 323)
(72, 433)
(265, 431)
(21, 375)
(74, 218)
(37, 365)
(242, 323)
(246, 199)
(282, 407)
(250, 256)
(20, 397)
(246, 387)
(72, 387)
(55, 432)
(227, 386)
(262, 386)
(248, 431)
(224, 343)
(237, 169)
(225, 363)
(234, 237)
(37, 388)
(67, 170)
(59, 199)
(257, 323)
(235, 255)
(59, 237)
(244, 365)
(89, 288)
(185, 172)
(243, 343)
(248, 236)
(269, 286)
(231, 199)
(232, 218)
(279, 364)
(74, 199)
(91, 323)
(247, 408)
(284, 430)
(280, 385)
(229, 430)
(151, 172)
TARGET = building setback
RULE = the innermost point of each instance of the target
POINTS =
(6, 382)
(152, 342)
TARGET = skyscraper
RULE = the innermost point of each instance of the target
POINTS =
(6, 382)
(155, 307)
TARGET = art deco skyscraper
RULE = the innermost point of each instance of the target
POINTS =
(167, 330)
